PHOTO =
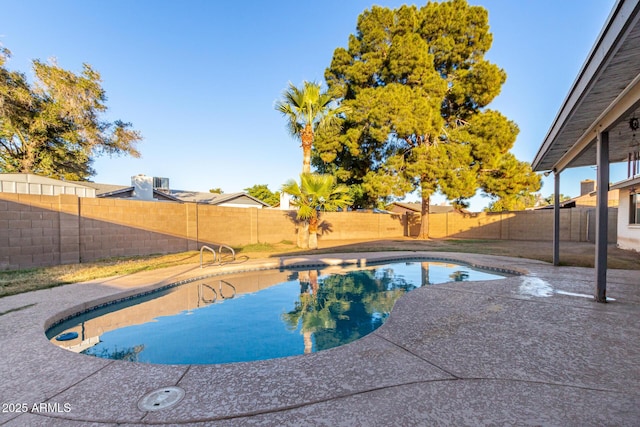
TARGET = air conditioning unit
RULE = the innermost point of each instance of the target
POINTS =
(161, 184)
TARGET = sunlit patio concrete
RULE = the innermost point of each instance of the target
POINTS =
(531, 349)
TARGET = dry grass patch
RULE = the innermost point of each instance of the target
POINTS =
(571, 254)
(18, 281)
(15, 282)
(261, 250)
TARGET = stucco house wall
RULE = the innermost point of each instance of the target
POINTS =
(628, 234)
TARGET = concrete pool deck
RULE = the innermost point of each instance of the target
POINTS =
(531, 349)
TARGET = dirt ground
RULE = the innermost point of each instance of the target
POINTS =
(580, 254)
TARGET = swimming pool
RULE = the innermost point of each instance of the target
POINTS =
(254, 315)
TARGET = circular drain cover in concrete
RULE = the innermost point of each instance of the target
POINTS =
(162, 398)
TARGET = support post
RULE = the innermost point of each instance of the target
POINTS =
(556, 218)
(602, 215)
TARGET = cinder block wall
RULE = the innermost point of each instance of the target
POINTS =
(118, 227)
(274, 225)
(359, 225)
(231, 226)
(576, 225)
(48, 230)
(30, 230)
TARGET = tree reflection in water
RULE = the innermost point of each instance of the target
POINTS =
(341, 308)
(128, 354)
(459, 276)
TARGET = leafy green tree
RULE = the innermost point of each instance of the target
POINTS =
(216, 190)
(54, 127)
(514, 202)
(511, 184)
(314, 194)
(307, 110)
(523, 200)
(550, 200)
(416, 85)
(262, 192)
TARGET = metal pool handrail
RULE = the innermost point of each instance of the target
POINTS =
(217, 256)
(209, 249)
(233, 253)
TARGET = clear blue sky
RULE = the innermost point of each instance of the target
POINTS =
(199, 78)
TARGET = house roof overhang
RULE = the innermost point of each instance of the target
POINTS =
(631, 183)
(604, 97)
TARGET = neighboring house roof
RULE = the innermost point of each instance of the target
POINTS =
(585, 200)
(627, 183)
(118, 193)
(104, 188)
(29, 183)
(121, 191)
(417, 207)
(565, 204)
(217, 198)
(399, 206)
(125, 192)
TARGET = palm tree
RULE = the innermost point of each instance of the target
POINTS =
(308, 109)
(316, 193)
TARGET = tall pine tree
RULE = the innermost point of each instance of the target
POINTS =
(416, 85)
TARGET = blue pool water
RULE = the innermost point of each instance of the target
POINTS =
(253, 316)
